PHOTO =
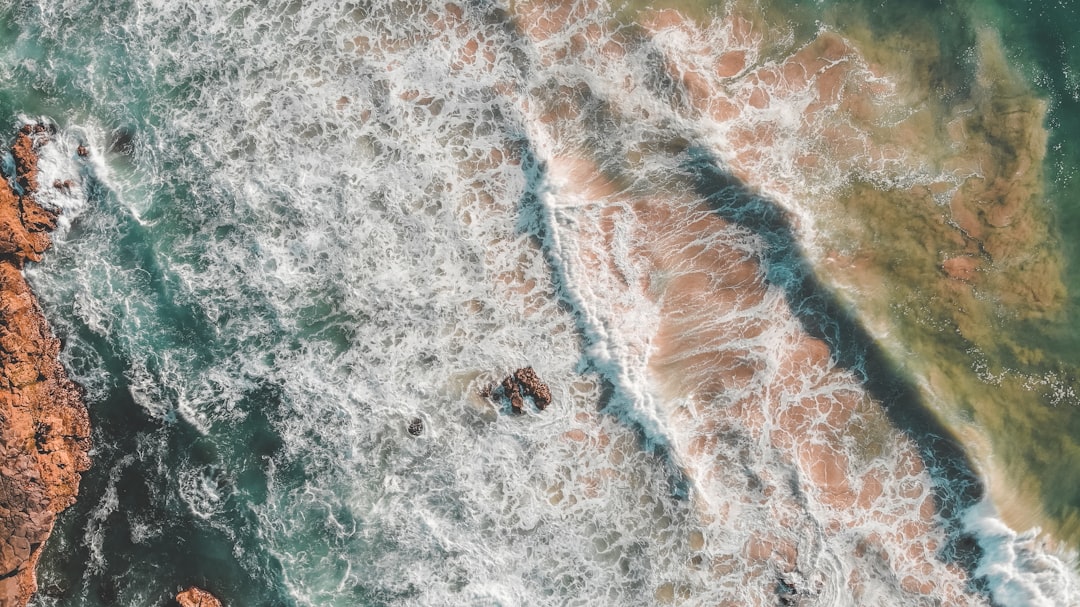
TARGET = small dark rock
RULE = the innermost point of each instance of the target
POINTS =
(82, 151)
(416, 426)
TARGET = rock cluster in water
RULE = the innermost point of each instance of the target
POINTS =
(523, 383)
(197, 597)
(44, 427)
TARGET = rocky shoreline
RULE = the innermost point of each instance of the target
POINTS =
(44, 425)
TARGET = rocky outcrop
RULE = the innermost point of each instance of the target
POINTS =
(513, 392)
(523, 383)
(197, 597)
(44, 427)
(533, 387)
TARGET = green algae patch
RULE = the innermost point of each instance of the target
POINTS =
(959, 272)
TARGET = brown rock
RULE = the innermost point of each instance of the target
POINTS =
(82, 151)
(510, 388)
(25, 153)
(532, 386)
(197, 597)
(521, 384)
(44, 434)
(36, 217)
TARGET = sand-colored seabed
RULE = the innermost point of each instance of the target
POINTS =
(922, 215)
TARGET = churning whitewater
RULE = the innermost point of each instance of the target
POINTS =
(303, 225)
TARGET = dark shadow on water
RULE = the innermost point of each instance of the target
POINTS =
(956, 486)
(130, 511)
(152, 544)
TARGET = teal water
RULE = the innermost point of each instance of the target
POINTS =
(1041, 38)
(1042, 41)
(304, 225)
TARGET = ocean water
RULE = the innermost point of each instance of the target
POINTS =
(718, 231)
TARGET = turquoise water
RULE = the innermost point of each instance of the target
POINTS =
(304, 225)
(1041, 38)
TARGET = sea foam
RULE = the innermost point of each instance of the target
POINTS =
(326, 220)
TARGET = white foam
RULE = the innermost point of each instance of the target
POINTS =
(94, 534)
(332, 203)
(62, 176)
(1022, 569)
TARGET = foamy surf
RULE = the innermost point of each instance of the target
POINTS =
(700, 278)
(321, 222)
(1022, 568)
(737, 374)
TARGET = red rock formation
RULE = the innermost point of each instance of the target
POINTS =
(522, 383)
(44, 427)
(510, 388)
(197, 597)
(25, 161)
(532, 386)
